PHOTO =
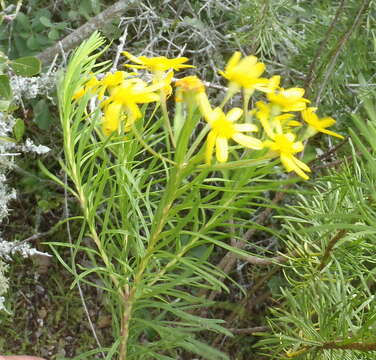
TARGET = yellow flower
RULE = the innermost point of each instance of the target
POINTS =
(130, 93)
(318, 124)
(188, 89)
(157, 64)
(245, 72)
(111, 118)
(223, 129)
(272, 122)
(190, 84)
(165, 83)
(286, 147)
(289, 99)
(90, 86)
(110, 81)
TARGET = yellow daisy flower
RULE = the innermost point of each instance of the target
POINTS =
(223, 128)
(190, 84)
(90, 86)
(272, 122)
(110, 81)
(286, 146)
(245, 72)
(318, 124)
(111, 118)
(289, 99)
(130, 93)
(157, 64)
(188, 88)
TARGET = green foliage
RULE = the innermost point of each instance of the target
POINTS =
(328, 310)
(5, 89)
(26, 66)
(39, 24)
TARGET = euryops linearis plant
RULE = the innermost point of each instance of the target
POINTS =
(155, 200)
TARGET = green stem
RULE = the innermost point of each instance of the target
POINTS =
(166, 119)
(159, 221)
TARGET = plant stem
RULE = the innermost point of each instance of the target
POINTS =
(166, 119)
(127, 313)
(159, 222)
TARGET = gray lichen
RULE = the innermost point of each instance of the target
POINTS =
(22, 88)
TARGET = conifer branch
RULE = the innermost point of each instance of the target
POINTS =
(310, 78)
(352, 346)
(339, 47)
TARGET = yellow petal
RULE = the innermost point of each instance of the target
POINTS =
(234, 114)
(132, 57)
(210, 142)
(290, 165)
(298, 146)
(332, 133)
(204, 105)
(234, 60)
(135, 66)
(221, 146)
(245, 127)
(256, 70)
(133, 112)
(293, 92)
(294, 123)
(247, 141)
(111, 118)
(327, 121)
(215, 115)
(301, 164)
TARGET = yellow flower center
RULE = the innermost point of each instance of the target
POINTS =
(223, 128)
(284, 145)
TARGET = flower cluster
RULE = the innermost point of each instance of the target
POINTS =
(278, 120)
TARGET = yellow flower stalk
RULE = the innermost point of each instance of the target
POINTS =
(285, 145)
(223, 128)
(317, 124)
(157, 64)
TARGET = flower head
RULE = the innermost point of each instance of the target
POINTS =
(286, 146)
(189, 89)
(126, 96)
(223, 128)
(157, 64)
(289, 99)
(245, 72)
(110, 81)
(321, 125)
(272, 121)
(90, 86)
(111, 118)
(190, 84)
